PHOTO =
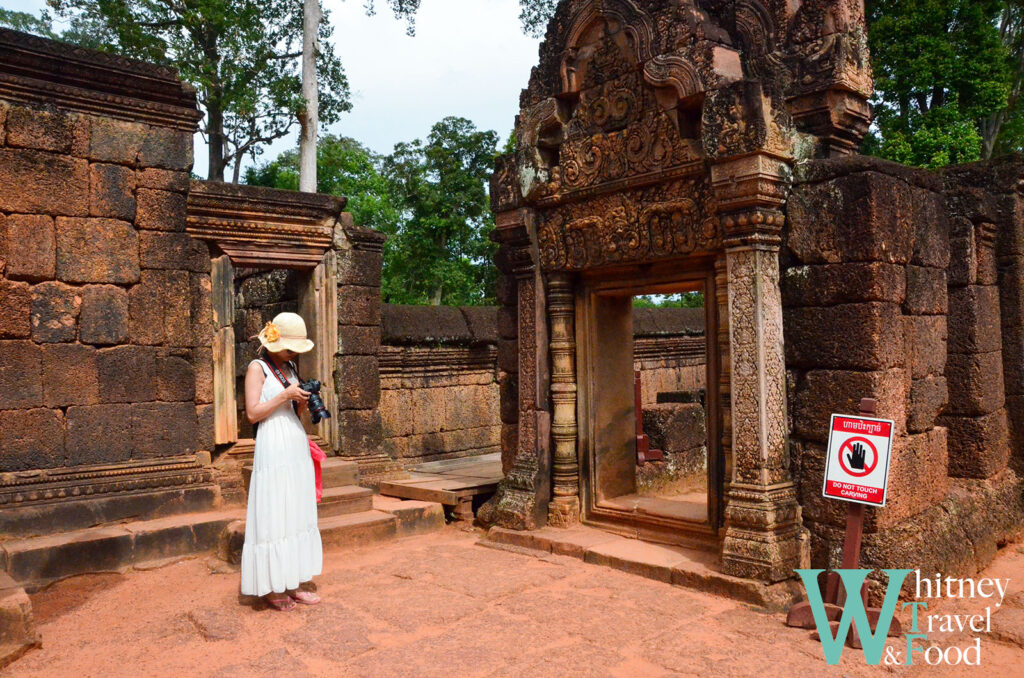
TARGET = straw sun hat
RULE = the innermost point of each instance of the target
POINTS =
(287, 331)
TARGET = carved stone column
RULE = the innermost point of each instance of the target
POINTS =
(564, 509)
(521, 501)
(764, 537)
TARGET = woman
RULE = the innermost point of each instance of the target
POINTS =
(282, 544)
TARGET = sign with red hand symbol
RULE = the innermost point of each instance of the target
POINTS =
(857, 465)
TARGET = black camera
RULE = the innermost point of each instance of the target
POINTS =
(317, 410)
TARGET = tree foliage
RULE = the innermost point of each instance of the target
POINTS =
(242, 56)
(947, 79)
(430, 198)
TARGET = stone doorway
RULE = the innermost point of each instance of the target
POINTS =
(677, 505)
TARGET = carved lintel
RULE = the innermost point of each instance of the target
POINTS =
(564, 509)
(263, 226)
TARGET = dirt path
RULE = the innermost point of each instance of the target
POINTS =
(439, 606)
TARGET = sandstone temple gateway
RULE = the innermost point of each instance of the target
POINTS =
(667, 147)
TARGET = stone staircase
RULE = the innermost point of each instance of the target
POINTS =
(350, 515)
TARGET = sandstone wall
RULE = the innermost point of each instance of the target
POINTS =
(440, 382)
(104, 300)
(880, 301)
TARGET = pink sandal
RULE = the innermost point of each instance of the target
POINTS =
(305, 597)
(282, 604)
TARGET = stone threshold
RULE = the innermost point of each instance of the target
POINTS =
(688, 568)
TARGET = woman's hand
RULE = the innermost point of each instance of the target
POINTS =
(295, 393)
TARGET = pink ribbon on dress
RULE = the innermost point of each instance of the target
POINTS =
(319, 456)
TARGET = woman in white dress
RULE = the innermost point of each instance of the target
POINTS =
(282, 543)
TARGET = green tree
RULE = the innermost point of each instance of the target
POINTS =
(941, 69)
(242, 56)
(344, 168)
(441, 253)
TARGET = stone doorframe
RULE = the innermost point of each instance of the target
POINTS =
(595, 342)
(763, 537)
(269, 228)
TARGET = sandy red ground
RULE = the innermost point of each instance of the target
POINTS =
(441, 605)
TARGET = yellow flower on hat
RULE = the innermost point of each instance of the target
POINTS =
(271, 334)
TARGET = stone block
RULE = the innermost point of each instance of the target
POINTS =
(824, 392)
(508, 322)
(15, 310)
(115, 141)
(508, 290)
(160, 210)
(359, 305)
(395, 406)
(358, 340)
(176, 380)
(166, 148)
(975, 383)
(97, 251)
(160, 308)
(360, 432)
(928, 397)
(31, 247)
(31, 439)
(4, 108)
(104, 315)
(162, 180)
(172, 251)
(848, 336)
(21, 374)
(357, 379)
(508, 355)
(918, 477)
(55, 308)
(974, 323)
(925, 340)
(508, 397)
(204, 427)
(675, 427)
(926, 291)
(831, 284)
(39, 129)
(33, 182)
(978, 446)
(358, 267)
(201, 308)
(163, 429)
(127, 374)
(99, 434)
(931, 224)
(69, 375)
(963, 265)
(111, 191)
(864, 216)
(202, 364)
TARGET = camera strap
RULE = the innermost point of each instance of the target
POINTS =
(276, 371)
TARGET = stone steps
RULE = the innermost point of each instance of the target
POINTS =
(37, 561)
(337, 501)
(358, 529)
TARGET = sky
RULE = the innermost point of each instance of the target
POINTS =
(468, 58)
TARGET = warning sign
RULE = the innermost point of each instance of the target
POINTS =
(857, 465)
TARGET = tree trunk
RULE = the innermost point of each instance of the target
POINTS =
(215, 131)
(309, 118)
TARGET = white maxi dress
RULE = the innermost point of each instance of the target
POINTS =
(282, 543)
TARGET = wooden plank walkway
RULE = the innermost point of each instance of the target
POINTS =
(452, 482)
